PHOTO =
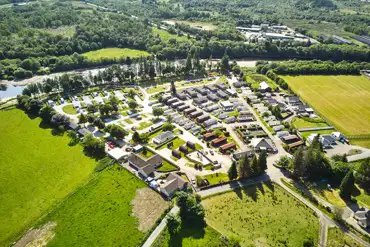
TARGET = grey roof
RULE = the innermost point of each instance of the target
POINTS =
(141, 162)
(73, 126)
(239, 155)
(210, 122)
(174, 183)
(148, 169)
(83, 131)
(230, 119)
(163, 135)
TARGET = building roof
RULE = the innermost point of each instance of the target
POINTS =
(208, 135)
(141, 162)
(227, 146)
(163, 135)
(173, 183)
(241, 154)
(83, 131)
(148, 169)
(210, 122)
(289, 138)
(264, 85)
(226, 104)
(230, 119)
(219, 140)
(117, 153)
(262, 143)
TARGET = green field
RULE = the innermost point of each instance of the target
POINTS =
(217, 178)
(166, 167)
(165, 36)
(115, 53)
(321, 132)
(300, 123)
(262, 215)
(337, 238)
(99, 213)
(342, 100)
(189, 236)
(37, 171)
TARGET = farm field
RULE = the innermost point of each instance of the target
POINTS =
(337, 238)
(115, 53)
(343, 100)
(262, 215)
(106, 212)
(35, 175)
(189, 236)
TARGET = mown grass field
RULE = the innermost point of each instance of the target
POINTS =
(189, 236)
(115, 53)
(99, 213)
(69, 109)
(262, 215)
(301, 123)
(37, 171)
(166, 36)
(342, 100)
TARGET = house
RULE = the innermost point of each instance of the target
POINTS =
(218, 141)
(171, 101)
(192, 93)
(195, 114)
(231, 92)
(181, 96)
(338, 136)
(223, 115)
(264, 87)
(200, 100)
(163, 137)
(281, 134)
(191, 145)
(182, 108)
(260, 144)
(190, 110)
(278, 128)
(203, 118)
(118, 154)
(227, 106)
(327, 141)
(195, 130)
(144, 166)
(177, 104)
(240, 84)
(73, 126)
(221, 94)
(292, 141)
(173, 183)
(202, 91)
(227, 146)
(211, 88)
(176, 154)
(208, 136)
(189, 125)
(212, 108)
(137, 148)
(210, 122)
(220, 86)
(239, 155)
(83, 132)
(51, 103)
(363, 217)
(184, 149)
(230, 120)
(293, 100)
(213, 97)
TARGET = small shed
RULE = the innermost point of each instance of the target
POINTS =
(191, 145)
(184, 149)
(176, 154)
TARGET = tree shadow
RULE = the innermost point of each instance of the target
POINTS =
(189, 229)
(270, 186)
(251, 191)
(238, 192)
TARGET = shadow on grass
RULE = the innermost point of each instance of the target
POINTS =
(188, 230)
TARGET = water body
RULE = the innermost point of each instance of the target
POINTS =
(10, 91)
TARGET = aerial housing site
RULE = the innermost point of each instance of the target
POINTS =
(172, 123)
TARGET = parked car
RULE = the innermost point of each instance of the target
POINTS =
(193, 181)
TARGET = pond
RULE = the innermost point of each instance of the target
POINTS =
(10, 91)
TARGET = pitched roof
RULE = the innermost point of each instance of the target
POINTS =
(262, 143)
(141, 162)
(174, 182)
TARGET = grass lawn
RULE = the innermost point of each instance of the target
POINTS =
(301, 123)
(166, 166)
(129, 121)
(99, 212)
(115, 53)
(190, 236)
(37, 171)
(262, 215)
(321, 132)
(166, 36)
(234, 113)
(337, 238)
(217, 178)
(144, 125)
(69, 109)
(343, 100)
(157, 89)
(177, 142)
(146, 154)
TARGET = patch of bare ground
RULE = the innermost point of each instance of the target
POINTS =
(148, 206)
(37, 237)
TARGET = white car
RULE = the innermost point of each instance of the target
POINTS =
(193, 181)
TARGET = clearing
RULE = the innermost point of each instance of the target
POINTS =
(37, 171)
(342, 100)
(111, 53)
(102, 212)
(166, 36)
(262, 215)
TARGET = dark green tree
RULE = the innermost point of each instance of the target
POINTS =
(262, 161)
(244, 167)
(363, 175)
(298, 163)
(347, 185)
(173, 224)
(232, 172)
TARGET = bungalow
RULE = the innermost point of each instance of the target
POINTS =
(212, 108)
(245, 119)
(203, 118)
(363, 217)
(177, 104)
(181, 96)
(190, 110)
(211, 88)
(264, 87)
(171, 101)
(223, 115)
(227, 146)
(240, 84)
(231, 92)
(73, 126)
(292, 141)
(192, 93)
(163, 137)
(191, 145)
(213, 97)
(227, 106)
(182, 108)
(118, 154)
(145, 167)
(200, 100)
(218, 141)
(202, 91)
(260, 144)
(221, 94)
(83, 132)
(189, 125)
(231, 119)
(281, 134)
(239, 155)
(195, 114)
(208, 136)
(327, 141)
(173, 183)
(176, 153)
(278, 128)
(210, 122)
(137, 148)
(292, 100)
(221, 86)
(195, 130)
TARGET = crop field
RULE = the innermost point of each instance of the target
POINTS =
(115, 53)
(262, 215)
(342, 100)
(101, 213)
(37, 171)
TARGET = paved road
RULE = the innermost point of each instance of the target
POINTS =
(160, 228)
(323, 234)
